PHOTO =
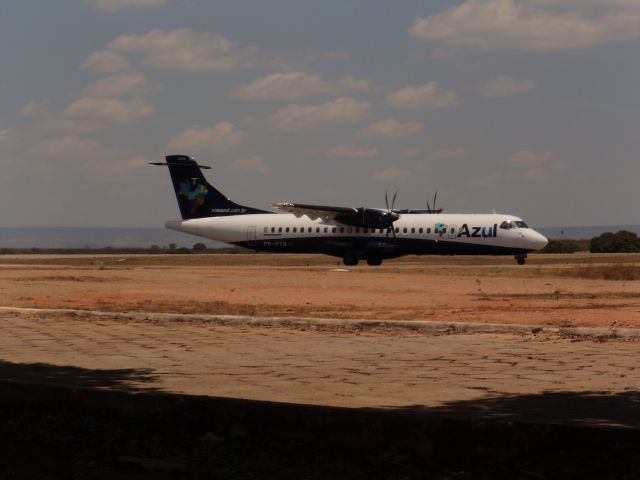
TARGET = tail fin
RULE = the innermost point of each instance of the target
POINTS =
(196, 197)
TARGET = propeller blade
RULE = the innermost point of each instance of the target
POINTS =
(434, 199)
(386, 199)
(393, 202)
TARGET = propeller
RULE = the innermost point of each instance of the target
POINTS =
(433, 210)
(391, 215)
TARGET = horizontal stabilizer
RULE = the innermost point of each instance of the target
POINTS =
(176, 164)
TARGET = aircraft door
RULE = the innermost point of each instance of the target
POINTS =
(251, 236)
(453, 230)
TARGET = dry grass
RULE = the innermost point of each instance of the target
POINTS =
(559, 294)
(296, 261)
(70, 278)
(619, 272)
(221, 307)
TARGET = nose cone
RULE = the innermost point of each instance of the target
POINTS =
(537, 240)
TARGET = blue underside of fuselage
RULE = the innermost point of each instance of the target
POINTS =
(375, 247)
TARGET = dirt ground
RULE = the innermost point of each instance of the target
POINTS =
(474, 289)
(543, 379)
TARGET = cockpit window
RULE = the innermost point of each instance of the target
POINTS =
(506, 225)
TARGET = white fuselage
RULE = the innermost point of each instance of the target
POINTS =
(467, 233)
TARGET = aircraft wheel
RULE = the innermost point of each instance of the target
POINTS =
(521, 260)
(350, 259)
(374, 261)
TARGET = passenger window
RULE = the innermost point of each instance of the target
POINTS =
(404, 230)
(365, 230)
(287, 230)
(428, 230)
(279, 229)
(357, 230)
(421, 230)
(317, 229)
(333, 230)
(326, 229)
(413, 230)
(348, 229)
(341, 229)
(397, 230)
(273, 229)
(295, 229)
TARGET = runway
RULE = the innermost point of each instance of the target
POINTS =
(482, 375)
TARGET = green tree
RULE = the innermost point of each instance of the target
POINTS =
(620, 242)
(561, 246)
(172, 246)
(199, 247)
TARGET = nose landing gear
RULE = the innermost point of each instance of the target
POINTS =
(521, 259)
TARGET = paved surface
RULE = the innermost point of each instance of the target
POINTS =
(550, 379)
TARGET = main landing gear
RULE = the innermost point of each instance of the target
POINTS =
(521, 259)
(352, 259)
(374, 261)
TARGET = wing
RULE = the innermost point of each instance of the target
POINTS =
(314, 212)
(358, 217)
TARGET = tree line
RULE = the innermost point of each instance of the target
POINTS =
(622, 241)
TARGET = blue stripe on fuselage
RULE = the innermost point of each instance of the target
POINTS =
(338, 246)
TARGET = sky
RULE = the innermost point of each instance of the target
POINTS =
(527, 107)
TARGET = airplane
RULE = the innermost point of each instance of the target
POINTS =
(353, 234)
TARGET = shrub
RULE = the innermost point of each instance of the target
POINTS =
(620, 242)
(561, 246)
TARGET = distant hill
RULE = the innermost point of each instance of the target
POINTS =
(94, 237)
(80, 237)
(584, 233)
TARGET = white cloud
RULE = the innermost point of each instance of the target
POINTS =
(533, 25)
(250, 164)
(62, 122)
(295, 86)
(526, 161)
(12, 137)
(114, 100)
(442, 155)
(392, 174)
(223, 138)
(351, 153)
(111, 6)
(448, 154)
(391, 128)
(304, 117)
(505, 86)
(106, 62)
(65, 147)
(120, 85)
(526, 167)
(418, 98)
(185, 49)
(410, 152)
(34, 110)
(109, 110)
